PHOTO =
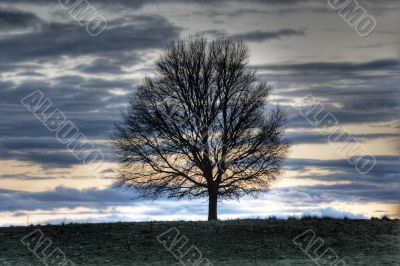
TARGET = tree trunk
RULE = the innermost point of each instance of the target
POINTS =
(212, 206)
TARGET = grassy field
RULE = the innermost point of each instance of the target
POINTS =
(236, 242)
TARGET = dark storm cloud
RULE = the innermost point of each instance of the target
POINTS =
(23, 137)
(139, 3)
(283, 7)
(384, 175)
(359, 102)
(60, 39)
(348, 192)
(19, 144)
(88, 103)
(49, 157)
(31, 74)
(318, 138)
(377, 111)
(48, 152)
(362, 190)
(11, 19)
(327, 77)
(101, 65)
(329, 67)
(260, 36)
(62, 197)
(255, 36)
(380, 185)
(72, 94)
(385, 165)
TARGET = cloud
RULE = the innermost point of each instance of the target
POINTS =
(318, 138)
(385, 164)
(88, 78)
(12, 19)
(62, 197)
(120, 41)
(101, 65)
(48, 152)
(329, 67)
(87, 102)
(140, 3)
(260, 36)
(381, 184)
(346, 89)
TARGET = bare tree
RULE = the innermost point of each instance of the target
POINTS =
(200, 127)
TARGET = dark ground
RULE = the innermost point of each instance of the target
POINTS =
(237, 242)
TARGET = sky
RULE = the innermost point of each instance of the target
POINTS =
(301, 48)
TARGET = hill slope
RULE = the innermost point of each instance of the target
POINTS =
(244, 242)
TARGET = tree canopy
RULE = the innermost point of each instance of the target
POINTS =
(201, 127)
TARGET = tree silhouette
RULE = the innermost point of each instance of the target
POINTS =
(200, 127)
